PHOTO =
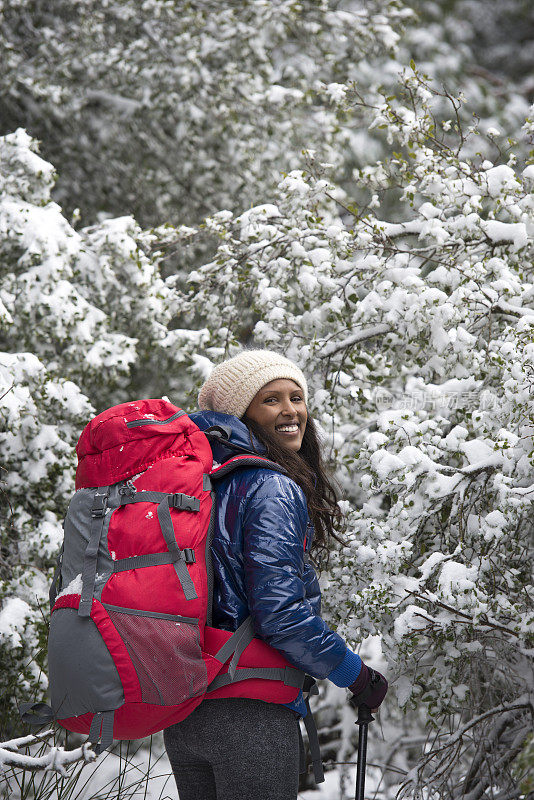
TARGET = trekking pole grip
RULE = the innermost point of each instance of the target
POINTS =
(364, 715)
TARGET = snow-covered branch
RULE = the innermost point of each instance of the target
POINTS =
(55, 759)
(515, 311)
(355, 338)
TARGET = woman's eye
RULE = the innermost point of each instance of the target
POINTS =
(275, 399)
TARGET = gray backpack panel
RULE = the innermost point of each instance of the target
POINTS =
(83, 676)
(77, 533)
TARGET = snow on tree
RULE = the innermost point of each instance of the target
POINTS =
(418, 337)
(201, 106)
(192, 106)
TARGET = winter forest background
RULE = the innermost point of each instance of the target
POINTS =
(351, 183)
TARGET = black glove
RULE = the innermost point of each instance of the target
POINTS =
(370, 687)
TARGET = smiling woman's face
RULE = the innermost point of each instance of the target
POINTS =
(280, 408)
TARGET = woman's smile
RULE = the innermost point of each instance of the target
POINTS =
(288, 429)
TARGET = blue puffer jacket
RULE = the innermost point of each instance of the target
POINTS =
(261, 534)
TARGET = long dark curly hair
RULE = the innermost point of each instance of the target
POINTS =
(306, 467)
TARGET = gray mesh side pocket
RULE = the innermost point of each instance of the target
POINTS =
(165, 651)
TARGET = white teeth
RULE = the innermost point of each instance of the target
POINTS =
(288, 428)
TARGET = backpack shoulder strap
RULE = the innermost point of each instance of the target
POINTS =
(245, 460)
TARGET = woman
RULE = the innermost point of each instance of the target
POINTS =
(266, 523)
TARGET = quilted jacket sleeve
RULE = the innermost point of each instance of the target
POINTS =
(274, 526)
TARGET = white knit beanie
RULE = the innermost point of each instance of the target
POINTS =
(232, 385)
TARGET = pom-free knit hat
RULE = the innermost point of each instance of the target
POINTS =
(233, 384)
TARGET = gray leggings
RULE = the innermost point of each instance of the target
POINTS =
(235, 749)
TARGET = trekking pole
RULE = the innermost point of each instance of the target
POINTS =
(364, 718)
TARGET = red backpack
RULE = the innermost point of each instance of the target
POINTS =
(131, 648)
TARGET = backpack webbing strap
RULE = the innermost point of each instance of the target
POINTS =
(313, 740)
(128, 496)
(302, 753)
(151, 560)
(184, 502)
(235, 645)
(245, 460)
(98, 515)
(167, 529)
(36, 713)
(101, 731)
(289, 675)
(55, 586)
(135, 423)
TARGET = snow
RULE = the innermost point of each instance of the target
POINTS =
(456, 577)
(461, 691)
(319, 256)
(330, 789)
(511, 232)
(476, 450)
(280, 94)
(412, 619)
(403, 690)
(40, 228)
(428, 566)
(54, 759)
(414, 457)
(13, 618)
(336, 92)
(124, 773)
(74, 587)
(385, 464)
(49, 534)
(253, 221)
(309, 283)
(495, 519)
(295, 184)
(456, 437)
(501, 179)
(442, 485)
(429, 211)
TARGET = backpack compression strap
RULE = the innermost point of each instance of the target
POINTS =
(310, 687)
(98, 516)
(101, 731)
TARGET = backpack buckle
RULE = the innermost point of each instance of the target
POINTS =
(184, 502)
(98, 509)
(189, 555)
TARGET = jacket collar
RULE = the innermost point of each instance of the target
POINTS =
(238, 433)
